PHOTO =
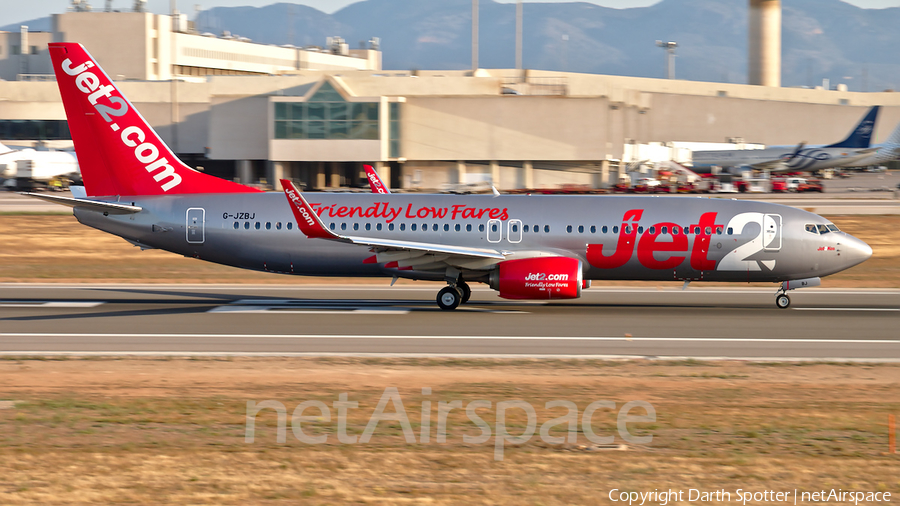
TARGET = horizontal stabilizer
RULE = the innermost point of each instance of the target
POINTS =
(106, 207)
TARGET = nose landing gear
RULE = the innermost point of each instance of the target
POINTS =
(782, 300)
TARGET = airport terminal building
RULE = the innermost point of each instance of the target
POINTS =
(257, 113)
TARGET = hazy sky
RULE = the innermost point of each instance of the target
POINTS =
(14, 11)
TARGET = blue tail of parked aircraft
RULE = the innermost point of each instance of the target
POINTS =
(861, 136)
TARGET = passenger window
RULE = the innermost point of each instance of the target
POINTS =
(446, 227)
(457, 227)
(811, 228)
(356, 226)
(332, 226)
(536, 229)
(413, 227)
(403, 227)
(687, 230)
(665, 231)
(257, 225)
(546, 229)
(605, 229)
(580, 229)
(593, 229)
(676, 230)
(730, 231)
(653, 230)
(708, 231)
(823, 229)
(391, 227)
(469, 227)
(718, 230)
(526, 228)
(237, 225)
(378, 227)
(434, 227)
(368, 226)
(278, 226)
(481, 227)
(268, 225)
(569, 229)
(290, 225)
(627, 229)
(343, 226)
(515, 228)
(696, 230)
(640, 230)
(616, 229)
(246, 225)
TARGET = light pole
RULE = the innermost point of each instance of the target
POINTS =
(670, 57)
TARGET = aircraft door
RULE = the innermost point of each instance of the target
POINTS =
(514, 234)
(771, 232)
(196, 220)
(494, 230)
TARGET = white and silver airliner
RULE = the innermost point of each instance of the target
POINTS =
(524, 246)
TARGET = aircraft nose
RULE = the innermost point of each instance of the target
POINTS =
(855, 251)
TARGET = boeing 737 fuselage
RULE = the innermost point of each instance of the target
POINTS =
(524, 246)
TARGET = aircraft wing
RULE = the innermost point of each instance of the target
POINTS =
(106, 207)
(311, 225)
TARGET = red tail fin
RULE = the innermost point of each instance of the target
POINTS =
(119, 153)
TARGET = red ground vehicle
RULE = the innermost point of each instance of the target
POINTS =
(811, 185)
(779, 186)
(661, 188)
(686, 188)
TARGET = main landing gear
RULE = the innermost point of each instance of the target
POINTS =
(451, 296)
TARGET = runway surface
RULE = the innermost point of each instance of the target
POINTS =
(705, 322)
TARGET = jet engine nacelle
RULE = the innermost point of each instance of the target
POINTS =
(538, 278)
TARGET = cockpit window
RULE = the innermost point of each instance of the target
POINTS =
(833, 227)
(823, 229)
(811, 228)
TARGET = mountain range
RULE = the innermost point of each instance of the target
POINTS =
(820, 38)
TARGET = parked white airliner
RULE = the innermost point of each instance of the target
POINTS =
(801, 157)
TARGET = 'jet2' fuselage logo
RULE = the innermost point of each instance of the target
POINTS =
(146, 153)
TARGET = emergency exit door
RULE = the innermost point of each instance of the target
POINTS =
(196, 217)
(771, 232)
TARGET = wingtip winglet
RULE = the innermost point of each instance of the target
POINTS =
(375, 181)
(307, 220)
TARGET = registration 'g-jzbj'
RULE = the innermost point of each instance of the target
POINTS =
(524, 246)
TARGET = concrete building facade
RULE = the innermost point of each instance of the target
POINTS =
(258, 120)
